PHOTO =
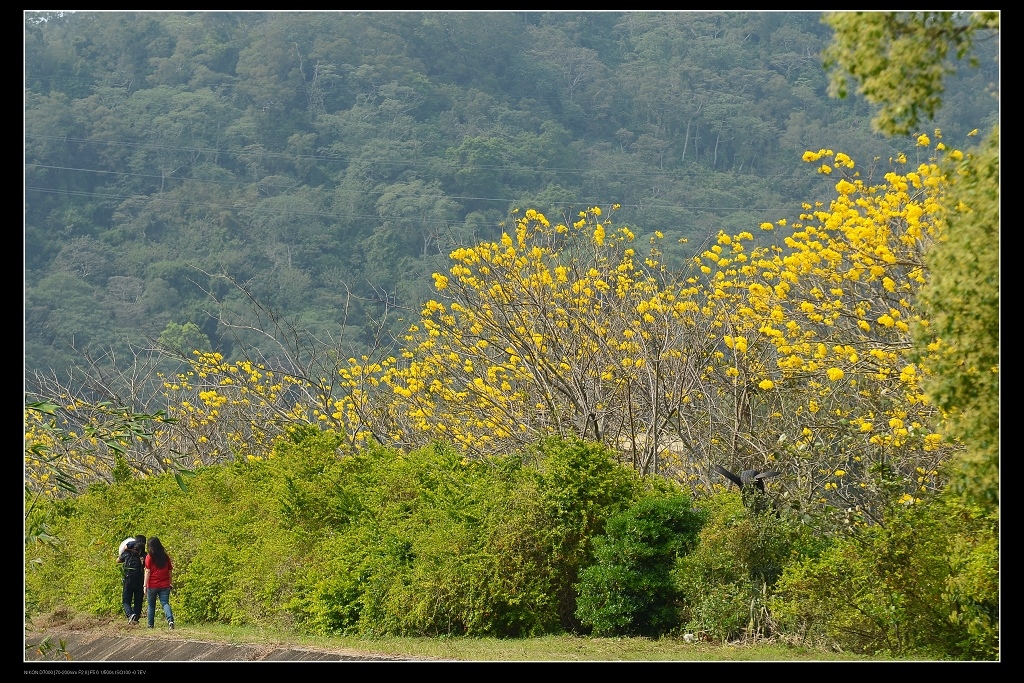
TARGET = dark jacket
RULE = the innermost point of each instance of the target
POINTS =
(131, 566)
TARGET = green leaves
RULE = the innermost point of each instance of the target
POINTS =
(961, 302)
(899, 60)
(432, 543)
(629, 589)
(44, 407)
(926, 582)
(60, 437)
(179, 477)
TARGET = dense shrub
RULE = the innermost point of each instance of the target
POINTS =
(580, 486)
(428, 543)
(78, 569)
(629, 590)
(445, 545)
(725, 582)
(927, 581)
(230, 549)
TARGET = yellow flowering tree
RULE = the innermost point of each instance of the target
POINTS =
(553, 329)
(815, 378)
(212, 411)
(791, 356)
(231, 410)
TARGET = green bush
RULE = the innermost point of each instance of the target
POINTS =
(725, 582)
(444, 545)
(308, 483)
(926, 582)
(79, 569)
(629, 590)
(580, 486)
(376, 542)
(231, 552)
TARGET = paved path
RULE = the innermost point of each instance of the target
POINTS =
(93, 646)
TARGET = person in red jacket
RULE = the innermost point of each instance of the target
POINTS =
(157, 581)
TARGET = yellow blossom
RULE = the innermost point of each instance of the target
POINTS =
(844, 187)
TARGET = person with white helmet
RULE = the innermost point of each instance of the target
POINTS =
(132, 571)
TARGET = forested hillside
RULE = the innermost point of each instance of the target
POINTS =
(329, 161)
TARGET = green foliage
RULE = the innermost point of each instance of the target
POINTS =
(79, 570)
(725, 582)
(234, 555)
(121, 472)
(961, 303)
(629, 590)
(444, 545)
(330, 586)
(899, 59)
(926, 582)
(373, 543)
(309, 486)
(580, 485)
(380, 543)
(182, 340)
(231, 555)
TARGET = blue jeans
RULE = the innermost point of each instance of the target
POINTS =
(165, 597)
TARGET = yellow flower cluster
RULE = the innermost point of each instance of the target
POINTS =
(837, 302)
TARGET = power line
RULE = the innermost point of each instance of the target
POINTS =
(244, 154)
(265, 184)
(263, 209)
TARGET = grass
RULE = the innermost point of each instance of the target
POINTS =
(546, 648)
